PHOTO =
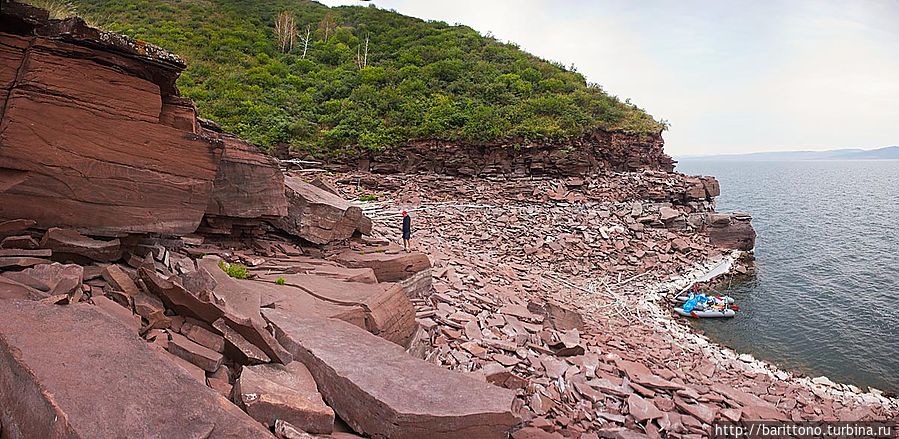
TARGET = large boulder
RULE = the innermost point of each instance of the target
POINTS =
(381, 391)
(249, 183)
(319, 216)
(74, 372)
(731, 231)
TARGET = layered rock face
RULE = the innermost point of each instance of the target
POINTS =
(94, 137)
(595, 152)
(244, 178)
(732, 231)
(89, 138)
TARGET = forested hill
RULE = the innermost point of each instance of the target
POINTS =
(419, 80)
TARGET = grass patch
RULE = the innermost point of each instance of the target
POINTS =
(58, 9)
(237, 271)
(369, 197)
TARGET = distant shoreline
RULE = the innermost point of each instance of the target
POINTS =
(886, 153)
(728, 159)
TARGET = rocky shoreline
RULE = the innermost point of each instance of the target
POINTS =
(722, 354)
(483, 235)
(153, 265)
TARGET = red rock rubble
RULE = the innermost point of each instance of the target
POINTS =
(531, 303)
(544, 286)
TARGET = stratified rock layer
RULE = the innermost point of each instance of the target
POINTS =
(381, 391)
(595, 152)
(731, 231)
(84, 141)
(73, 372)
(249, 184)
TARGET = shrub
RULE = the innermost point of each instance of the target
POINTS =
(369, 197)
(237, 271)
(280, 281)
(58, 9)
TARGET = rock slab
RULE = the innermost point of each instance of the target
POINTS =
(73, 372)
(270, 392)
(381, 391)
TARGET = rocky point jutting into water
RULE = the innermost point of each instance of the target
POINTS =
(153, 265)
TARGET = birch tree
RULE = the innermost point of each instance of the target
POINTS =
(327, 25)
(362, 55)
(305, 40)
(285, 30)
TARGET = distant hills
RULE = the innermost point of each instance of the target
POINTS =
(886, 153)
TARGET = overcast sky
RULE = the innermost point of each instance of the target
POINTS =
(730, 76)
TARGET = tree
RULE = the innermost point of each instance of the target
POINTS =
(327, 25)
(305, 39)
(285, 30)
(362, 56)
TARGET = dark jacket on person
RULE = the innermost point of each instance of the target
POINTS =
(407, 227)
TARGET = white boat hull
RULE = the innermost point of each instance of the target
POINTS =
(707, 313)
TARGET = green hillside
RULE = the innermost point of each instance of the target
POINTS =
(421, 79)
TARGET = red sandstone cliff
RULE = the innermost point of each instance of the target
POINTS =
(597, 152)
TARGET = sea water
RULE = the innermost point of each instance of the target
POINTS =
(825, 299)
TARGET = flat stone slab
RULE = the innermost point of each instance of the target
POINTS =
(51, 279)
(389, 313)
(381, 391)
(276, 267)
(68, 241)
(288, 392)
(297, 301)
(199, 355)
(72, 371)
(10, 289)
(390, 264)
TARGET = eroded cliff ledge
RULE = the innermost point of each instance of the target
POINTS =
(596, 152)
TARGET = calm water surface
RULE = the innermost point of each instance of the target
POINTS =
(824, 300)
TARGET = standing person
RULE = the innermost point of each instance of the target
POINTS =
(407, 232)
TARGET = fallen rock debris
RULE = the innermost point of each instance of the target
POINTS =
(532, 306)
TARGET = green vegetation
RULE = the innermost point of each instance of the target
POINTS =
(280, 281)
(369, 197)
(367, 77)
(58, 9)
(236, 271)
